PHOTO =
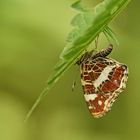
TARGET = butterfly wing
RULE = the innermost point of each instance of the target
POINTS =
(102, 80)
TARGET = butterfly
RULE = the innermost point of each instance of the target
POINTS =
(103, 79)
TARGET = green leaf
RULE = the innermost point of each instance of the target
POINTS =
(110, 35)
(88, 24)
(78, 6)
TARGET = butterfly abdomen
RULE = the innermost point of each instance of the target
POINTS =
(104, 53)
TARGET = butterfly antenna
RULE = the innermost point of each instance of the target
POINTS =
(96, 42)
(73, 85)
(74, 82)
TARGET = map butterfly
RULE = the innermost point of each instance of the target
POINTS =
(103, 79)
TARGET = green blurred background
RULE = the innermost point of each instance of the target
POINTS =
(32, 35)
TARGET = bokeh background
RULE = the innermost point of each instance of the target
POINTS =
(32, 35)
